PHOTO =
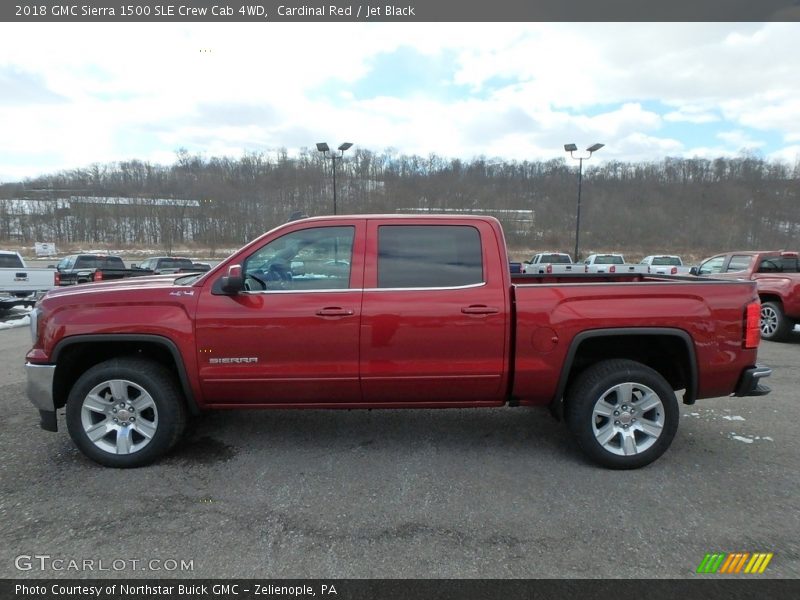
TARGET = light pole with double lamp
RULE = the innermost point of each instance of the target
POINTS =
(326, 152)
(572, 148)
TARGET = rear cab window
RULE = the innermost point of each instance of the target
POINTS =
(10, 261)
(666, 261)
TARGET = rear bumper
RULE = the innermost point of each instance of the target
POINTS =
(749, 382)
(40, 393)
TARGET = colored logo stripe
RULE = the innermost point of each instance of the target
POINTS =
(733, 562)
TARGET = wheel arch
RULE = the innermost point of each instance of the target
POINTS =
(768, 297)
(74, 355)
(646, 345)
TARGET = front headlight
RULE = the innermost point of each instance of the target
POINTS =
(34, 316)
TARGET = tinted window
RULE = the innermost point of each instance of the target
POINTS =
(11, 261)
(608, 259)
(778, 264)
(672, 261)
(789, 264)
(175, 263)
(739, 262)
(310, 259)
(99, 262)
(428, 256)
(555, 258)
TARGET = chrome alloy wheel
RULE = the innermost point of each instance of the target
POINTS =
(628, 419)
(119, 416)
(769, 320)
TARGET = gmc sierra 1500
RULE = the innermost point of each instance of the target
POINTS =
(389, 312)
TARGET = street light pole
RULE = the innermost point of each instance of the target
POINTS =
(572, 148)
(326, 152)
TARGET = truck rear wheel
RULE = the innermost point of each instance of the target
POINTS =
(623, 414)
(775, 327)
(125, 412)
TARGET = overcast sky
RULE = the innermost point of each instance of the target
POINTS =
(76, 94)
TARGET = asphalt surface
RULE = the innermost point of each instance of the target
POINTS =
(500, 493)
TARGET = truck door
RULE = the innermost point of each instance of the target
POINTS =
(434, 317)
(292, 336)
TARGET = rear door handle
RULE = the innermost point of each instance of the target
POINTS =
(479, 309)
(334, 311)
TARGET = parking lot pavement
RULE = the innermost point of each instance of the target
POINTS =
(403, 494)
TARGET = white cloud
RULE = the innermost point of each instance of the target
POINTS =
(142, 90)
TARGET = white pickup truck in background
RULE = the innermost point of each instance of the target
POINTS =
(551, 262)
(611, 263)
(665, 264)
(20, 284)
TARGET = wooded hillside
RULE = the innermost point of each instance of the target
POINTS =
(686, 205)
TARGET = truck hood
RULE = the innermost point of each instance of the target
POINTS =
(131, 283)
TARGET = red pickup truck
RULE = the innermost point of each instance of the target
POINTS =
(389, 312)
(777, 278)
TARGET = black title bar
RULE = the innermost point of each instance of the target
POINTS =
(229, 11)
(708, 588)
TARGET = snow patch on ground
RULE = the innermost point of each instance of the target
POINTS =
(749, 439)
(733, 418)
(16, 317)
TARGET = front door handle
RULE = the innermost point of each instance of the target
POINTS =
(335, 311)
(480, 309)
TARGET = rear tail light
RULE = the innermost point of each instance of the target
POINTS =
(549, 269)
(56, 279)
(752, 325)
(98, 276)
(612, 269)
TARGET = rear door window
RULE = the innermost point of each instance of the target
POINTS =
(429, 256)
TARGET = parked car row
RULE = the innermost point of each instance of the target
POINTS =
(776, 273)
(20, 284)
(86, 268)
(559, 262)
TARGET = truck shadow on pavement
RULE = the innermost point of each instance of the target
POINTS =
(221, 436)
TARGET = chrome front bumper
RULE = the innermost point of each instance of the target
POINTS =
(40, 393)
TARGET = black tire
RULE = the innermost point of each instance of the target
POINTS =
(775, 327)
(642, 409)
(143, 391)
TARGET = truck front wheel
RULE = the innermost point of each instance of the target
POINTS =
(125, 412)
(623, 414)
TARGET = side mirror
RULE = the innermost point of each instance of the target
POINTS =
(233, 282)
(694, 271)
